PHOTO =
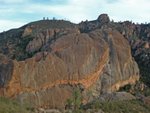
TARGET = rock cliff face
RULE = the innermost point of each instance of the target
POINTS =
(62, 58)
(138, 36)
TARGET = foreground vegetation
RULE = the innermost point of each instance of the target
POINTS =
(126, 106)
(75, 106)
(12, 106)
(113, 106)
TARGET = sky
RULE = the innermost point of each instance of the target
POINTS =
(16, 13)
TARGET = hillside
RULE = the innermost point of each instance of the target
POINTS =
(44, 62)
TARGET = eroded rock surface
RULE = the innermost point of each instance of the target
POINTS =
(97, 61)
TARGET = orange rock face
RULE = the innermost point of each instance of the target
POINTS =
(74, 59)
(100, 61)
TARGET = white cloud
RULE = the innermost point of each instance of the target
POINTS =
(12, 1)
(78, 10)
(8, 24)
(3, 11)
(136, 10)
(74, 10)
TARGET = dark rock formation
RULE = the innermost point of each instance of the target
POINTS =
(103, 19)
(51, 58)
(88, 26)
(6, 69)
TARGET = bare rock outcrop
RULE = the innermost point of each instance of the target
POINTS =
(98, 61)
(103, 19)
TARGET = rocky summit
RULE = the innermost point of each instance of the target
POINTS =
(43, 62)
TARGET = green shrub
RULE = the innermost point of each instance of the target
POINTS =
(96, 105)
(147, 92)
(12, 106)
(125, 88)
(75, 101)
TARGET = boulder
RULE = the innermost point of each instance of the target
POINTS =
(146, 100)
(103, 19)
(116, 96)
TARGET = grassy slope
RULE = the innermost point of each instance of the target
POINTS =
(127, 106)
(11, 106)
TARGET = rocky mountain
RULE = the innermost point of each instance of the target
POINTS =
(43, 62)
